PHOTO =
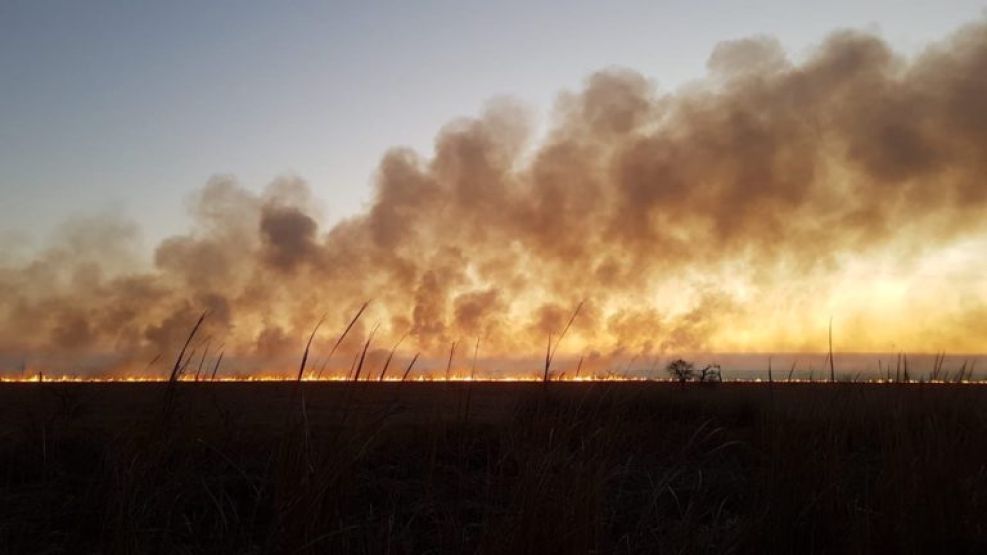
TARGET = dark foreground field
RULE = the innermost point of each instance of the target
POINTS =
(504, 468)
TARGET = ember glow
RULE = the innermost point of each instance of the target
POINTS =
(738, 214)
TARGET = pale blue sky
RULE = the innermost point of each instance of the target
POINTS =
(131, 105)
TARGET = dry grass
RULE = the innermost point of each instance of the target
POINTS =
(574, 468)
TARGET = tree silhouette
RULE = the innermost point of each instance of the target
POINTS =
(681, 370)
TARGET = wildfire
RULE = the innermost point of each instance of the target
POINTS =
(436, 378)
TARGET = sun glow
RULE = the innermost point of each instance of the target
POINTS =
(765, 208)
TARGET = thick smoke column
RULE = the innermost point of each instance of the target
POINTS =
(714, 217)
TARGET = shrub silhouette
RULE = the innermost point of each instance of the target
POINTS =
(711, 373)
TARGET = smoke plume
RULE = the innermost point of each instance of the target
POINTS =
(737, 213)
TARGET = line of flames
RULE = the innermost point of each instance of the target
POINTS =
(439, 379)
(327, 379)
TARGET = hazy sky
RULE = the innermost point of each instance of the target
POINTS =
(131, 105)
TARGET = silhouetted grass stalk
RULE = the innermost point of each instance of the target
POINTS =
(342, 337)
(550, 351)
(215, 368)
(832, 363)
(170, 388)
(390, 356)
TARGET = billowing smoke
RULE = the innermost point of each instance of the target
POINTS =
(724, 216)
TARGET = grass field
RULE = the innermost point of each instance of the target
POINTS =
(493, 468)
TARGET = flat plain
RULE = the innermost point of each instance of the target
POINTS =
(492, 467)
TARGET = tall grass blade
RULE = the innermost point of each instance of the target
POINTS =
(550, 352)
(169, 397)
(390, 356)
(832, 363)
(363, 355)
(342, 337)
(308, 346)
(452, 350)
(410, 366)
(198, 371)
(181, 355)
(548, 358)
(215, 368)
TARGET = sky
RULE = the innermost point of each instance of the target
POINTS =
(131, 106)
(740, 178)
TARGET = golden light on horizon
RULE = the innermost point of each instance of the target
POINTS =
(740, 214)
